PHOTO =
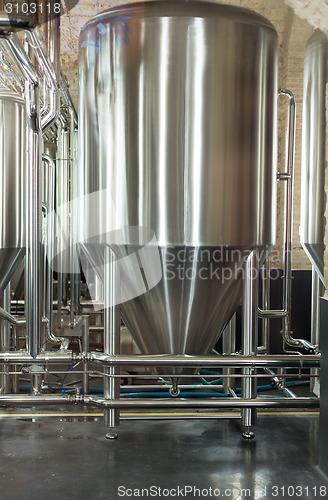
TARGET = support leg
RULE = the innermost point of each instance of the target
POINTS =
(5, 342)
(85, 347)
(229, 347)
(111, 338)
(250, 339)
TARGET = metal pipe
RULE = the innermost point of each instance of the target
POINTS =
(34, 224)
(31, 400)
(280, 382)
(5, 341)
(54, 40)
(266, 306)
(22, 358)
(62, 341)
(111, 336)
(288, 177)
(288, 393)
(206, 403)
(284, 360)
(49, 244)
(50, 75)
(288, 224)
(62, 209)
(85, 347)
(229, 347)
(7, 67)
(67, 96)
(6, 316)
(14, 346)
(36, 384)
(12, 22)
(154, 387)
(21, 59)
(250, 335)
(40, 52)
(175, 416)
(73, 193)
(315, 320)
(272, 314)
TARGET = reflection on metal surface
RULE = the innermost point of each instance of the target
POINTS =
(313, 149)
(180, 124)
(12, 182)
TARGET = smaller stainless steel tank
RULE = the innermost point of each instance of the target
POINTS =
(12, 183)
(313, 149)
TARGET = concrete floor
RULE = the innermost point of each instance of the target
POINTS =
(53, 458)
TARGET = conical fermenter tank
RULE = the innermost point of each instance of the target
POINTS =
(177, 125)
(12, 184)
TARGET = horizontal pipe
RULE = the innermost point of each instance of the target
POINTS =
(22, 357)
(279, 313)
(16, 399)
(168, 416)
(196, 361)
(165, 360)
(154, 387)
(12, 22)
(205, 403)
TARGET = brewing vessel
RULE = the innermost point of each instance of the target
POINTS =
(177, 124)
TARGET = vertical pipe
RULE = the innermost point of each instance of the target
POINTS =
(250, 337)
(315, 317)
(229, 347)
(73, 183)
(266, 306)
(5, 341)
(111, 336)
(85, 347)
(288, 177)
(36, 384)
(49, 236)
(34, 218)
(15, 347)
(54, 39)
(99, 297)
(61, 209)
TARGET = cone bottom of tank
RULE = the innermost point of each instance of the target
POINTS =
(186, 312)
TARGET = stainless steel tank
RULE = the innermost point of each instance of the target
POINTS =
(12, 184)
(177, 118)
(314, 129)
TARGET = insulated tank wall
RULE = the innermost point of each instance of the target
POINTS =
(314, 129)
(12, 183)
